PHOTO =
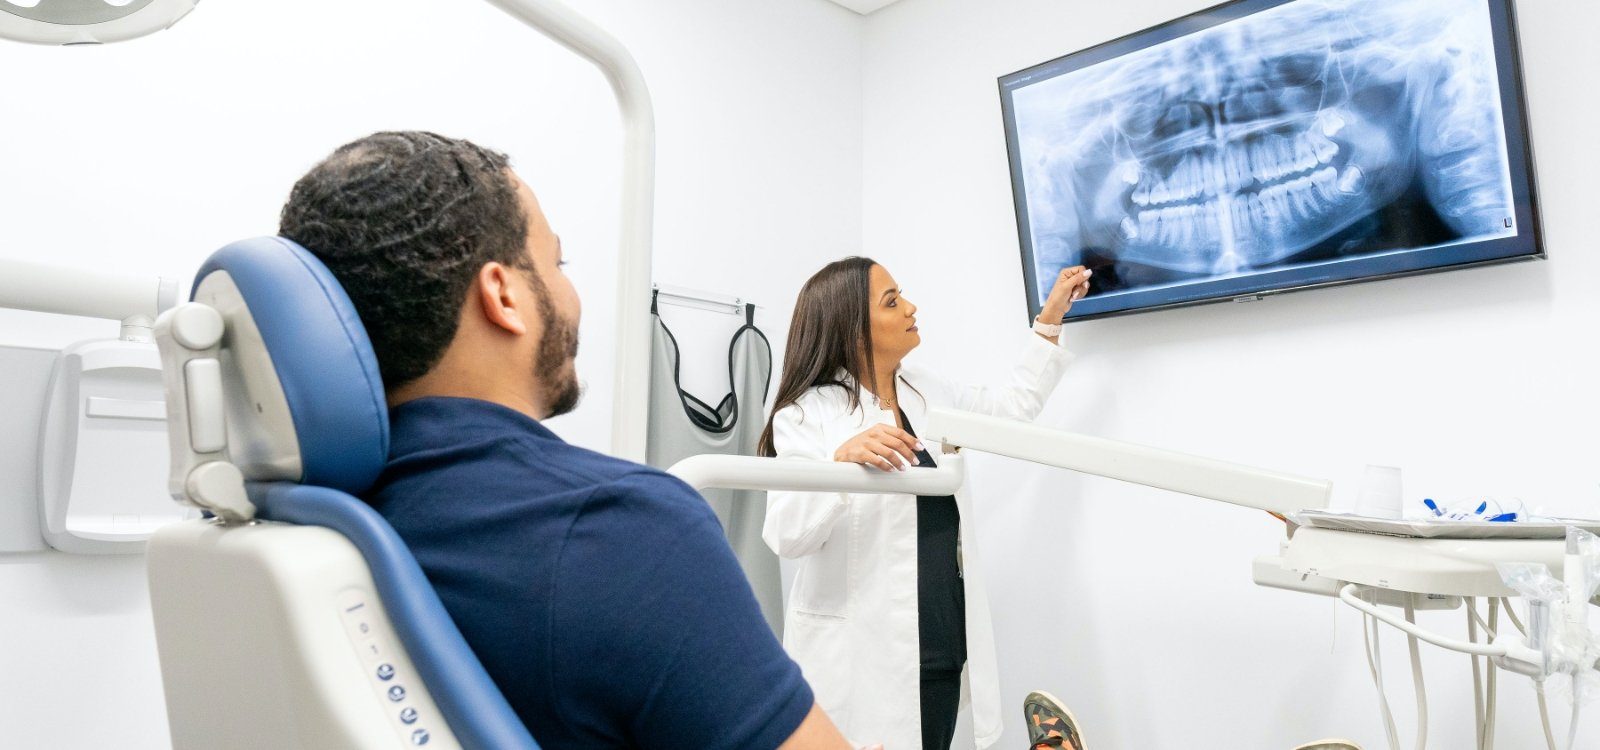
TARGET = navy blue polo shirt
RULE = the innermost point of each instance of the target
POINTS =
(601, 595)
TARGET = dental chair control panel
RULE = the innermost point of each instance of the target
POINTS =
(374, 641)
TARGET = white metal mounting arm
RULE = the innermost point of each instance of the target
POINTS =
(803, 475)
(135, 300)
(631, 376)
(1153, 467)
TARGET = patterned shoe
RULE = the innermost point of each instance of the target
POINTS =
(1050, 724)
(1329, 745)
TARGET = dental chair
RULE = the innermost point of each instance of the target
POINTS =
(293, 616)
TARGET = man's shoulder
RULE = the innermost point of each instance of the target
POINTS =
(604, 473)
(609, 484)
(506, 469)
(644, 492)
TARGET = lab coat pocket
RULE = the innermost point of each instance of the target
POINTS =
(822, 585)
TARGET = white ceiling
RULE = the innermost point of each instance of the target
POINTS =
(865, 6)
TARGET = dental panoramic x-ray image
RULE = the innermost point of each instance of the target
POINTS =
(1310, 133)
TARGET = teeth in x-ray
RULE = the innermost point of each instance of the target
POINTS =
(1332, 123)
(1176, 187)
(1275, 207)
(1213, 222)
(1302, 194)
(1282, 157)
(1189, 181)
(1243, 164)
(1149, 223)
(1169, 225)
(1289, 157)
(1350, 180)
(1252, 213)
(1181, 225)
(1322, 148)
(1323, 180)
(1269, 201)
(1283, 150)
(1375, 96)
(1236, 169)
(1277, 158)
(1263, 163)
(1272, 158)
(1259, 165)
(1304, 157)
(1158, 194)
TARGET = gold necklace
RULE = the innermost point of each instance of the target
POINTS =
(885, 403)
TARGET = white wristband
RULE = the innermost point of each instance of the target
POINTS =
(1046, 329)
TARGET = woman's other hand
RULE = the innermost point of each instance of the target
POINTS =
(881, 446)
(1071, 285)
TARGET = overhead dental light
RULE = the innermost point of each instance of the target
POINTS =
(87, 21)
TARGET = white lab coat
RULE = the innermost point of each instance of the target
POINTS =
(851, 619)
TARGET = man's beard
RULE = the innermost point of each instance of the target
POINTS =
(553, 364)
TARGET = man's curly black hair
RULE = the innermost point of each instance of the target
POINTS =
(404, 220)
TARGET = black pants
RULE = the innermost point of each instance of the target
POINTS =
(941, 700)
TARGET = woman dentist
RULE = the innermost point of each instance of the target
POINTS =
(880, 618)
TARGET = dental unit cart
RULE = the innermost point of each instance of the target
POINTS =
(1554, 567)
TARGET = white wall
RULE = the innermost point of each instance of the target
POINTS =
(1136, 606)
(145, 156)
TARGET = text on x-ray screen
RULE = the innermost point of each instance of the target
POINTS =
(1305, 135)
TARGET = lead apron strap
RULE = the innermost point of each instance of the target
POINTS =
(682, 425)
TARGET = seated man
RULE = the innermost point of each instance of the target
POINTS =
(601, 595)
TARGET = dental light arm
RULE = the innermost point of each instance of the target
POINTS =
(1152, 467)
(631, 381)
(134, 300)
(93, 21)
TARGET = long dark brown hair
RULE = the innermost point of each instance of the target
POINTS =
(831, 331)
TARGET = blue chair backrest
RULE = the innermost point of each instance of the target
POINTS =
(310, 467)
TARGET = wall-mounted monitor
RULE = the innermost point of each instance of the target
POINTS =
(1261, 146)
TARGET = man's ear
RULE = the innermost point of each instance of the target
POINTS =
(501, 299)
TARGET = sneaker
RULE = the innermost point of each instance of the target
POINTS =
(1050, 723)
(1329, 745)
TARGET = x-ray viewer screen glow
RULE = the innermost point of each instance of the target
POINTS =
(1263, 145)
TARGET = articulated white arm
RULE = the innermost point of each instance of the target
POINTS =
(631, 377)
(800, 475)
(136, 300)
(1153, 467)
(1179, 472)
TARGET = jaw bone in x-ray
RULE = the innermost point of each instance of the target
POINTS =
(1311, 131)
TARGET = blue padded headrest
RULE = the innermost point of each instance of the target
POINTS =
(323, 359)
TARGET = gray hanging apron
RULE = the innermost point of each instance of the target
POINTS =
(682, 425)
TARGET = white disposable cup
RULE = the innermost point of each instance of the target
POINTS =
(1380, 492)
